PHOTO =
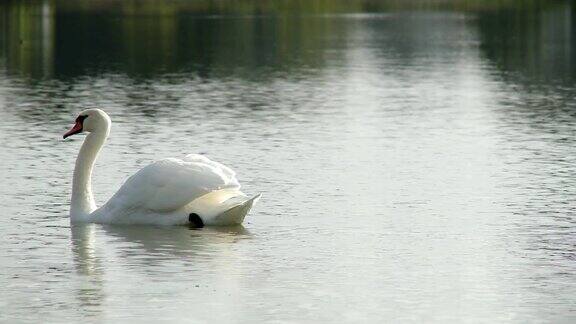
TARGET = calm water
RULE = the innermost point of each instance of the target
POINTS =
(417, 162)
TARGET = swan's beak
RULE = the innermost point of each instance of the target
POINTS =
(74, 130)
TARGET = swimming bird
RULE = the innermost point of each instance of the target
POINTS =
(193, 190)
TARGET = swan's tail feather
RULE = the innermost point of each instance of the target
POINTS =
(222, 207)
(235, 214)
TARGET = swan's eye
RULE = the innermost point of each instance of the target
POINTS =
(78, 126)
(81, 118)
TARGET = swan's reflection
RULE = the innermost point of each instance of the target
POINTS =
(84, 249)
(90, 292)
(181, 261)
(145, 247)
(106, 257)
(150, 245)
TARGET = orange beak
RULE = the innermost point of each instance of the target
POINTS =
(74, 130)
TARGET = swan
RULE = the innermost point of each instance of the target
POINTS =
(190, 191)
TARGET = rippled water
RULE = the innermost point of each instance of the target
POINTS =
(415, 164)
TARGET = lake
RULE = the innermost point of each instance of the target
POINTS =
(417, 160)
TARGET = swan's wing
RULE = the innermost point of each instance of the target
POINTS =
(226, 171)
(170, 184)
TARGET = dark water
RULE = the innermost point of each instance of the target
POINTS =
(416, 159)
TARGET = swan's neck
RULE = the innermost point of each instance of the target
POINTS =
(82, 203)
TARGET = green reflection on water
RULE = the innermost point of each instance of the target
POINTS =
(251, 39)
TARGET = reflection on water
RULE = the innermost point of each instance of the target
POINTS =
(531, 45)
(416, 159)
(225, 38)
(155, 245)
(89, 265)
(148, 251)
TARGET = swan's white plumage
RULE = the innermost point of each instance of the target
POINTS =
(170, 184)
(164, 192)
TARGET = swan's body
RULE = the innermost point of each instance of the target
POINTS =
(166, 192)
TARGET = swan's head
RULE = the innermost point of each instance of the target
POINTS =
(90, 120)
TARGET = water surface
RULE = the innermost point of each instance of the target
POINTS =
(416, 162)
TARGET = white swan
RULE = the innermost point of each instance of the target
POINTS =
(167, 192)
